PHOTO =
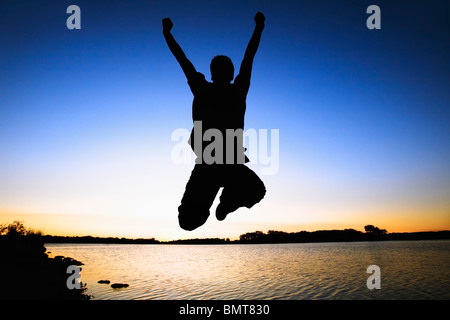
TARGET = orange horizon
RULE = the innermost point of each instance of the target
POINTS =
(120, 227)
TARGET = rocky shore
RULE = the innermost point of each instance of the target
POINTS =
(27, 273)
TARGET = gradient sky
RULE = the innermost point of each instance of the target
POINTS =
(86, 116)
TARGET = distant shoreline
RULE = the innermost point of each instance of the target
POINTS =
(32, 274)
(347, 235)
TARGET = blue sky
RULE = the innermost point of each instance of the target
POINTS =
(86, 115)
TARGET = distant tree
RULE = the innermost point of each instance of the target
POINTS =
(276, 233)
(251, 236)
(17, 229)
(277, 236)
(374, 230)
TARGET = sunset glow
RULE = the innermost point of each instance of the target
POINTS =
(86, 116)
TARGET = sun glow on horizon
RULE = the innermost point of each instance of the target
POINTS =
(133, 228)
(87, 116)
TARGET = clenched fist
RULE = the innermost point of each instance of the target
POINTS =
(259, 18)
(167, 24)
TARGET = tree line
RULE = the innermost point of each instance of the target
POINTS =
(372, 233)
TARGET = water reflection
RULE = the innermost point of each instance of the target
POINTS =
(409, 270)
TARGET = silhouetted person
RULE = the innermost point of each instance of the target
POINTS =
(219, 106)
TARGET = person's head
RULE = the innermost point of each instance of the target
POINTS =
(222, 70)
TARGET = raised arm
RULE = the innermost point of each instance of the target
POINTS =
(186, 65)
(247, 63)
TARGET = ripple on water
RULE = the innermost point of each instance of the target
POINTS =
(409, 270)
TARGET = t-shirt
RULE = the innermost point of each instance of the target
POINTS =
(221, 107)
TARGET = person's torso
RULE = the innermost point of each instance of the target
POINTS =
(221, 108)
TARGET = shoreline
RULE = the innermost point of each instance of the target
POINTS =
(259, 237)
(30, 274)
(236, 243)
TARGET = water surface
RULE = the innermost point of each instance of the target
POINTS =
(409, 270)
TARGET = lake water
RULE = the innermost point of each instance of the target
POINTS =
(408, 270)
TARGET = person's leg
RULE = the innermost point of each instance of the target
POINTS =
(198, 197)
(243, 188)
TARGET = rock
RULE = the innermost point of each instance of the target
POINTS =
(119, 285)
(72, 261)
(104, 281)
(68, 260)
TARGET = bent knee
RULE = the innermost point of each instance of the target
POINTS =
(187, 225)
(190, 218)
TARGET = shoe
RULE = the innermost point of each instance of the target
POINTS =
(223, 210)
